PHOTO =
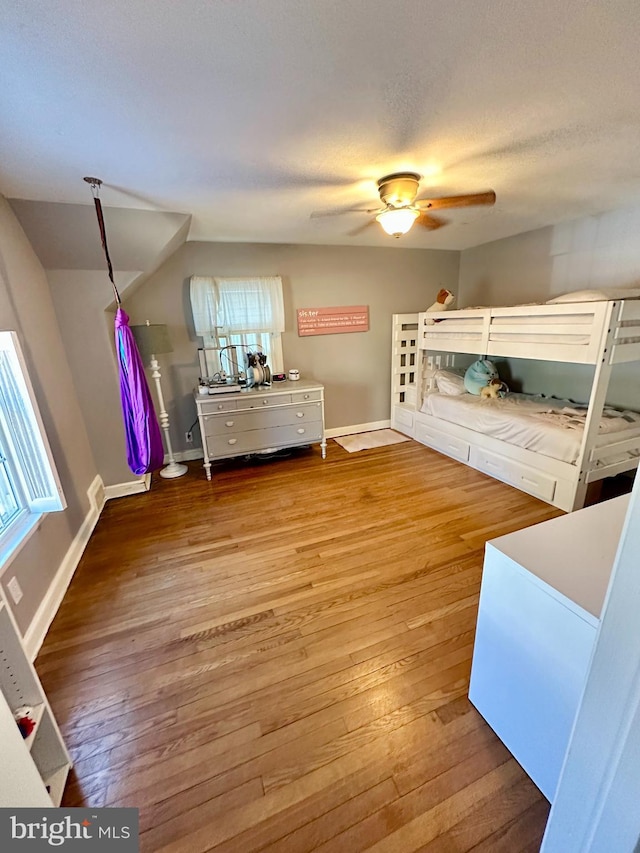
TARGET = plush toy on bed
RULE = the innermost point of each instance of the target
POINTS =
(495, 389)
(444, 299)
(479, 375)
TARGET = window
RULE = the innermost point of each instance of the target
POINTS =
(29, 484)
(245, 312)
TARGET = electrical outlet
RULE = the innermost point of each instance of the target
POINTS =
(189, 437)
(14, 588)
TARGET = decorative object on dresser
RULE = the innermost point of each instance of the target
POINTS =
(154, 340)
(257, 370)
(259, 420)
(562, 448)
(35, 761)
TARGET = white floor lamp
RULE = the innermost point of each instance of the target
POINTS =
(153, 340)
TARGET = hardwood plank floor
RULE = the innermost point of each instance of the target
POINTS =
(278, 660)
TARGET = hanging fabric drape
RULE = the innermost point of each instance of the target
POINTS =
(145, 452)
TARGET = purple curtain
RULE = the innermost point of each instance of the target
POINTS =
(145, 451)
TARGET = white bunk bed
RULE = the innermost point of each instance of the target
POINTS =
(602, 334)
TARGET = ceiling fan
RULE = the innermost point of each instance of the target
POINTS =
(402, 209)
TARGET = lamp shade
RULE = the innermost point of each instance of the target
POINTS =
(397, 221)
(152, 339)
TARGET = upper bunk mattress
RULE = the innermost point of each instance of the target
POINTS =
(545, 425)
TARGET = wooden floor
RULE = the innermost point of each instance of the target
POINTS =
(279, 660)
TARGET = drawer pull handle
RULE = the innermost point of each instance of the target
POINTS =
(306, 396)
(299, 414)
(301, 432)
(229, 423)
(220, 407)
(265, 402)
(232, 440)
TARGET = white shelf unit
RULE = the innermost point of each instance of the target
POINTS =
(541, 599)
(34, 768)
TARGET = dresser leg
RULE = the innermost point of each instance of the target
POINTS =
(323, 448)
(207, 468)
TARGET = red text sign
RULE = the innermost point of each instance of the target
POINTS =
(333, 321)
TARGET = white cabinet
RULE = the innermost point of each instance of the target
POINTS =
(256, 420)
(34, 770)
(542, 594)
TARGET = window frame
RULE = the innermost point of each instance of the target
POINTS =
(40, 492)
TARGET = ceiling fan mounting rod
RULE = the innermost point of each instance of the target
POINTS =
(399, 189)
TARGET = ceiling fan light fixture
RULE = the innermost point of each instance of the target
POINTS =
(397, 221)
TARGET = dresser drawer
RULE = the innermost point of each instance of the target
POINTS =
(449, 444)
(239, 421)
(529, 480)
(306, 396)
(259, 401)
(217, 404)
(261, 439)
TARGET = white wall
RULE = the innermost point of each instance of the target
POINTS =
(83, 300)
(355, 368)
(26, 307)
(590, 253)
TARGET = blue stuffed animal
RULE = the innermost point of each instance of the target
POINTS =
(479, 375)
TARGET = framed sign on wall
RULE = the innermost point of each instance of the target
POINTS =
(333, 321)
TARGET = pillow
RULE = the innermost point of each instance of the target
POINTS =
(597, 295)
(479, 374)
(451, 384)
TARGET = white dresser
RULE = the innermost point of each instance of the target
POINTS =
(542, 594)
(255, 420)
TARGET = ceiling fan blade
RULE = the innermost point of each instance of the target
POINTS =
(338, 211)
(361, 228)
(487, 198)
(430, 222)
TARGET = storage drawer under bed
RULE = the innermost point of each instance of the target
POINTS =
(458, 448)
(536, 483)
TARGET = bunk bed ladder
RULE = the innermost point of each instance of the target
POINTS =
(404, 370)
(597, 399)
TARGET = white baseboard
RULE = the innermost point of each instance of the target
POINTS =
(36, 632)
(187, 455)
(136, 487)
(133, 487)
(352, 430)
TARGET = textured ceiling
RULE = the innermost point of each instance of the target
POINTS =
(251, 114)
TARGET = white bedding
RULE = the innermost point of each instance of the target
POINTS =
(544, 425)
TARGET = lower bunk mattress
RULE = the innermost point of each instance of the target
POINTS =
(545, 425)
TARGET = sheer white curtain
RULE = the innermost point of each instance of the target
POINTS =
(245, 311)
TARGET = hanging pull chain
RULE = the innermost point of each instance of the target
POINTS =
(95, 184)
